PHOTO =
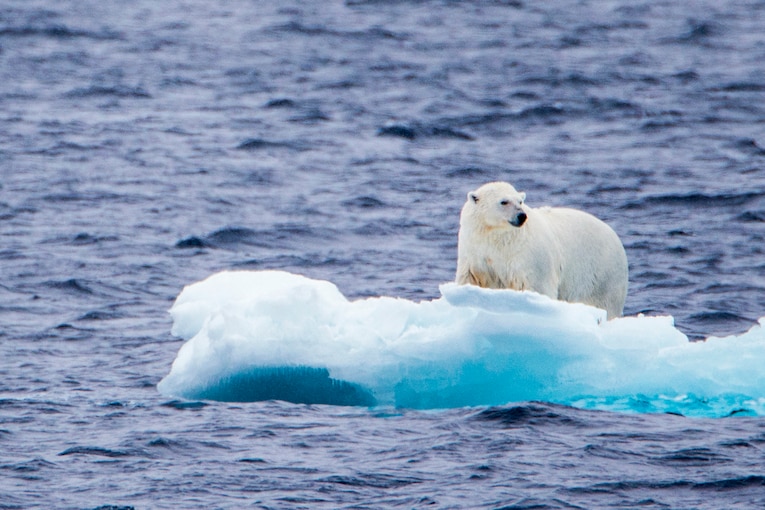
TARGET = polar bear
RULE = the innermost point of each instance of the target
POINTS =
(563, 253)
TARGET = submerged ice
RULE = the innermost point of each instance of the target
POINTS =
(276, 335)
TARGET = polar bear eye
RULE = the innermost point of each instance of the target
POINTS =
(504, 201)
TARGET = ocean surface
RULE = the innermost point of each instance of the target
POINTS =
(146, 145)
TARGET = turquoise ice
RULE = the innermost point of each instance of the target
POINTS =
(258, 335)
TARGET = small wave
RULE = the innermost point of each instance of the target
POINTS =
(749, 146)
(280, 236)
(101, 315)
(542, 111)
(85, 239)
(192, 242)
(719, 317)
(373, 480)
(255, 144)
(72, 285)
(183, 405)
(89, 197)
(739, 86)
(57, 32)
(42, 406)
(752, 217)
(468, 171)
(163, 442)
(547, 113)
(697, 199)
(118, 91)
(177, 81)
(700, 32)
(659, 124)
(611, 105)
(375, 32)
(416, 130)
(529, 415)
(313, 115)
(309, 112)
(610, 452)
(6, 211)
(252, 460)
(30, 466)
(635, 485)
(64, 147)
(307, 260)
(364, 202)
(229, 237)
(686, 76)
(691, 457)
(554, 78)
(731, 484)
(394, 227)
(101, 452)
(281, 103)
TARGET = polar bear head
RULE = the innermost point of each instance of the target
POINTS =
(497, 204)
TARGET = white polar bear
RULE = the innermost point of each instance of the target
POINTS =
(563, 253)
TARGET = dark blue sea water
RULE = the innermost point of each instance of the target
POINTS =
(145, 145)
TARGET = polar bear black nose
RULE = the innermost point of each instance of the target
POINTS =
(520, 219)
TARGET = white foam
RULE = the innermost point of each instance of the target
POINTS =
(472, 346)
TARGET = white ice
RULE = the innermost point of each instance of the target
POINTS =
(470, 347)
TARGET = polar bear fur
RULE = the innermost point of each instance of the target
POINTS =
(563, 253)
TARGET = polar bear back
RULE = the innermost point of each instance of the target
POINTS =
(594, 267)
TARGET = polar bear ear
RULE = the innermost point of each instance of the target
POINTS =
(523, 196)
(472, 196)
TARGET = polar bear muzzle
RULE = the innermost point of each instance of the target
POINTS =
(519, 219)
